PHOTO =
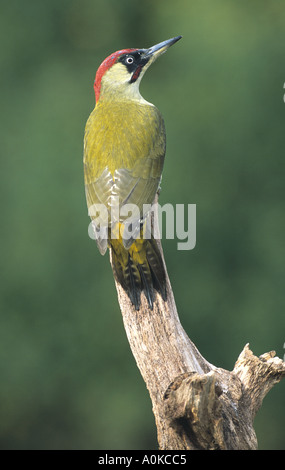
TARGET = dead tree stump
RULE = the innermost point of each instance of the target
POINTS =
(196, 405)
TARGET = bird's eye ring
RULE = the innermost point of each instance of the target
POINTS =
(129, 60)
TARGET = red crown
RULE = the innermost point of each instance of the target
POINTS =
(106, 65)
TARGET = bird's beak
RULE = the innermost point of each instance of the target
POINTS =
(155, 51)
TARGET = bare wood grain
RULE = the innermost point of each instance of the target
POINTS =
(196, 405)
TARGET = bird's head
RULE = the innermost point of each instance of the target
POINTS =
(121, 72)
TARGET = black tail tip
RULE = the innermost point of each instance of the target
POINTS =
(136, 300)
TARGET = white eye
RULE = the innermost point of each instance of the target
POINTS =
(129, 60)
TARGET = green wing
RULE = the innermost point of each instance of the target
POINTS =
(136, 185)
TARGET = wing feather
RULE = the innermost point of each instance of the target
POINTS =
(134, 183)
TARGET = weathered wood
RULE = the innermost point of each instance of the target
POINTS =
(196, 405)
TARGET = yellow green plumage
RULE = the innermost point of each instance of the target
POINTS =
(124, 149)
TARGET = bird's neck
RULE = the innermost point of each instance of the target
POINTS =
(126, 92)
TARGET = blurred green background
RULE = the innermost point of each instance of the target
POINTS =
(68, 378)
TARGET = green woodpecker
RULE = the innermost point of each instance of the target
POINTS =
(124, 149)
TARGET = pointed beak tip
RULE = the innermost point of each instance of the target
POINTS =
(161, 47)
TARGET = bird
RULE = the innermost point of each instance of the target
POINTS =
(124, 151)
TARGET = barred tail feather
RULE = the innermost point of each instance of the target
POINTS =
(139, 269)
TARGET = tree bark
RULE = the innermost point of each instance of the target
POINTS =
(196, 405)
